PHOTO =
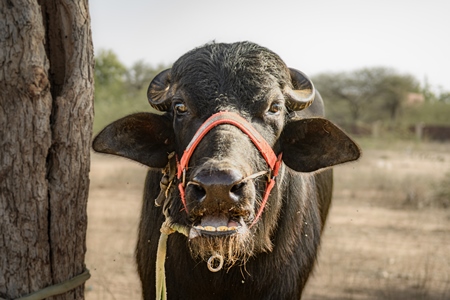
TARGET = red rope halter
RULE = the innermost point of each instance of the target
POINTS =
(234, 119)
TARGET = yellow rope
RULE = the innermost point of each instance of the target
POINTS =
(161, 292)
(59, 288)
(167, 228)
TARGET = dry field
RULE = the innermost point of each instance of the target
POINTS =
(387, 236)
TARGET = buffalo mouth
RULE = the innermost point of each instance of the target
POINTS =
(220, 225)
(221, 236)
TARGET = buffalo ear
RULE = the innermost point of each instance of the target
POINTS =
(144, 137)
(311, 144)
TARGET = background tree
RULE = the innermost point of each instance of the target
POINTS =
(46, 112)
(120, 90)
(109, 76)
(393, 91)
(350, 91)
(444, 97)
(140, 74)
(428, 92)
(108, 69)
(364, 95)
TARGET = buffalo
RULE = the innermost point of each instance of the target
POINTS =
(239, 159)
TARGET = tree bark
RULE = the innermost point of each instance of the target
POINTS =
(46, 116)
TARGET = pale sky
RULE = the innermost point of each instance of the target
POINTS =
(314, 36)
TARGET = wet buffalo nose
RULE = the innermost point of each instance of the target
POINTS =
(223, 186)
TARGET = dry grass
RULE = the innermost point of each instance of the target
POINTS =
(387, 236)
(113, 211)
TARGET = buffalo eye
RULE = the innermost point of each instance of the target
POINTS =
(180, 108)
(275, 108)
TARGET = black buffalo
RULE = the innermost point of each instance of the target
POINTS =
(269, 252)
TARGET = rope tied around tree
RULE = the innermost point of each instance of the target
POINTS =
(59, 288)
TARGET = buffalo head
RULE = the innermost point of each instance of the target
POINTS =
(224, 182)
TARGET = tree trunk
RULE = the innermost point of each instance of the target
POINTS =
(46, 114)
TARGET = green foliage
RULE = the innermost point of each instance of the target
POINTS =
(109, 79)
(432, 96)
(353, 99)
(436, 113)
(374, 100)
(108, 69)
(120, 90)
(365, 95)
(393, 92)
(444, 97)
(427, 92)
(140, 74)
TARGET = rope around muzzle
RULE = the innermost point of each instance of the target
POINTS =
(273, 160)
(215, 262)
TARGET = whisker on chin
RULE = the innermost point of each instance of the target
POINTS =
(237, 248)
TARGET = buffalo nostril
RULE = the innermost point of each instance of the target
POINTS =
(197, 191)
(237, 188)
(237, 191)
(216, 186)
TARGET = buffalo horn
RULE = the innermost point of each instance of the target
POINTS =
(303, 92)
(158, 92)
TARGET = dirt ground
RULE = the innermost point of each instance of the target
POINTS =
(386, 237)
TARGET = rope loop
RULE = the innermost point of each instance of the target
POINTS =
(215, 263)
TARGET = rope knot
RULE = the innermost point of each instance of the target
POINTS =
(166, 229)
